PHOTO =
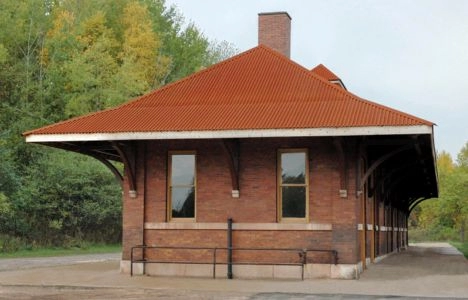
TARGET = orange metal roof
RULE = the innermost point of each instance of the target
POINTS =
(257, 89)
(324, 72)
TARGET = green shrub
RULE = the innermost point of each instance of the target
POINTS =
(9, 244)
(436, 233)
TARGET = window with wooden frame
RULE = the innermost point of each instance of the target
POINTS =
(181, 185)
(293, 185)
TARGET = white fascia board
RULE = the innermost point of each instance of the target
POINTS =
(221, 134)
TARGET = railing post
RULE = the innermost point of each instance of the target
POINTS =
(304, 261)
(229, 246)
(131, 261)
(214, 263)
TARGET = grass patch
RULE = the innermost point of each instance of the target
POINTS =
(462, 247)
(60, 251)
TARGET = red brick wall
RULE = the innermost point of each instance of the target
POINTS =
(257, 202)
(240, 239)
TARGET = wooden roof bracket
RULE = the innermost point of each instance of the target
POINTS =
(415, 203)
(390, 174)
(232, 149)
(127, 155)
(342, 165)
(96, 155)
(376, 164)
(110, 166)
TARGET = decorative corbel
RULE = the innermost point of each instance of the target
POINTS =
(127, 154)
(232, 149)
(104, 159)
(110, 166)
(342, 165)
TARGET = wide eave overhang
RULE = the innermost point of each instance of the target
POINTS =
(221, 134)
(417, 163)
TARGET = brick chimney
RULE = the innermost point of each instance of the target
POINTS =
(274, 31)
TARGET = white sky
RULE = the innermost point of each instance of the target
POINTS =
(409, 55)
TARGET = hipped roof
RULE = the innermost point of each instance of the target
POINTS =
(257, 89)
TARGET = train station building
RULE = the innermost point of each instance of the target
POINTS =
(258, 167)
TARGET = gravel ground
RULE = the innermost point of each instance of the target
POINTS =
(8, 264)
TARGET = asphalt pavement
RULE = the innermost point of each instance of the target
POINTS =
(424, 271)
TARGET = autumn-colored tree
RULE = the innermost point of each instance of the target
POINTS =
(141, 45)
(59, 47)
(91, 71)
(66, 58)
(143, 66)
(447, 216)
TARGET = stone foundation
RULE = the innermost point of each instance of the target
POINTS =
(311, 271)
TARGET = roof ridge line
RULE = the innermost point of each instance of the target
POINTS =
(370, 102)
(304, 69)
(321, 66)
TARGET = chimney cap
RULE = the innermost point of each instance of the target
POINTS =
(275, 13)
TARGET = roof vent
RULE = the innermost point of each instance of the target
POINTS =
(274, 31)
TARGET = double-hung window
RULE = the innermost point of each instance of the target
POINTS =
(293, 188)
(182, 186)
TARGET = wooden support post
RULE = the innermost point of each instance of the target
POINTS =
(372, 233)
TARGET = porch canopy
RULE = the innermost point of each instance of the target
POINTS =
(263, 94)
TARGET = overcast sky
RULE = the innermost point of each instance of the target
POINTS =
(409, 55)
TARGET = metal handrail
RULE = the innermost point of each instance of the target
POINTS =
(301, 252)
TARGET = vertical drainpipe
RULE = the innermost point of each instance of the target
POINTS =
(229, 248)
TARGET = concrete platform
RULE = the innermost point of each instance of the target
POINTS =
(424, 271)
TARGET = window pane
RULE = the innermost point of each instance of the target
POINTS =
(183, 169)
(293, 167)
(294, 201)
(183, 202)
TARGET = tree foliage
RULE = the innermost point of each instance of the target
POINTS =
(447, 216)
(65, 58)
